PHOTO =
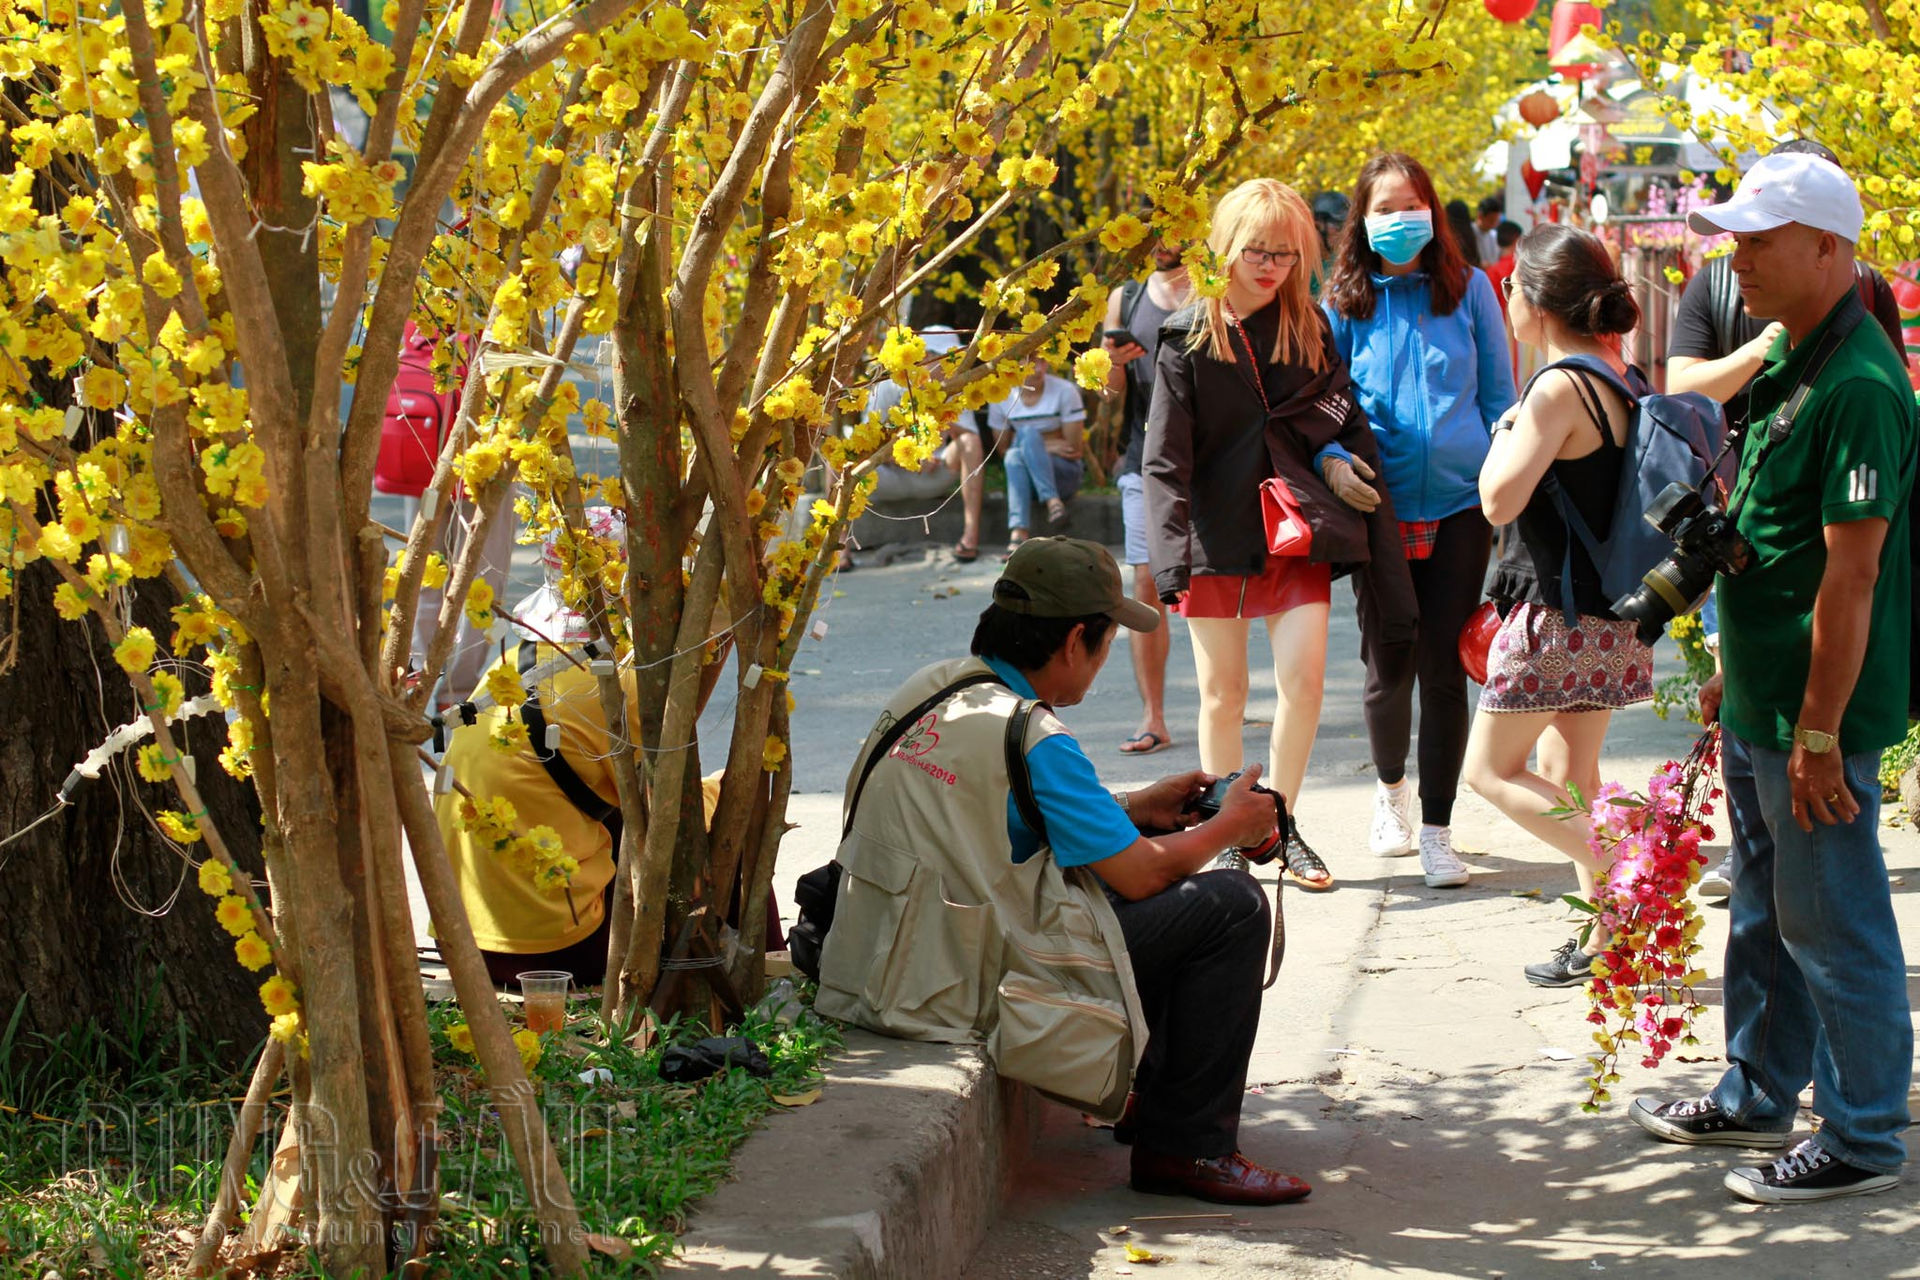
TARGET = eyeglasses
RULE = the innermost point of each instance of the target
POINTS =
(1261, 257)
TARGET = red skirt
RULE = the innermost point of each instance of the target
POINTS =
(1286, 583)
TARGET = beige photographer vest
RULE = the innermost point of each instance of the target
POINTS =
(938, 935)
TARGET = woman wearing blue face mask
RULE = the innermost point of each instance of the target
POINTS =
(1422, 333)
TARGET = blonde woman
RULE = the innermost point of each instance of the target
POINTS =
(1247, 386)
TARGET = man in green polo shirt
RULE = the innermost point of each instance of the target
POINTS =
(1814, 637)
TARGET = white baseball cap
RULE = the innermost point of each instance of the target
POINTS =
(1783, 188)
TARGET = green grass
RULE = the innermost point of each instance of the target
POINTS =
(106, 1141)
(114, 1145)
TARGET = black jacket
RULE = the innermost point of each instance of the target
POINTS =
(1211, 442)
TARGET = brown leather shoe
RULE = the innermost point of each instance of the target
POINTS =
(1230, 1179)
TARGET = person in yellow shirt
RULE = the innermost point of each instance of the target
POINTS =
(524, 921)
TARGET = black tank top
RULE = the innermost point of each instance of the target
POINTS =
(1529, 570)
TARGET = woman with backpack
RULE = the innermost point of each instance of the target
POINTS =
(1423, 334)
(1247, 387)
(1551, 682)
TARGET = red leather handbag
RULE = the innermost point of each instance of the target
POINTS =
(1288, 533)
(1476, 640)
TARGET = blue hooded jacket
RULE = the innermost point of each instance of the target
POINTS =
(1433, 386)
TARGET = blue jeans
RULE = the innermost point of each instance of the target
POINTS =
(1816, 985)
(1033, 475)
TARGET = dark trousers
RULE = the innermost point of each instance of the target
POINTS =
(1448, 586)
(1198, 950)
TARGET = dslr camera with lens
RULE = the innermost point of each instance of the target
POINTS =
(1216, 795)
(1705, 542)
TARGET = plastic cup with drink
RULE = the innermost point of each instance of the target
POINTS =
(545, 993)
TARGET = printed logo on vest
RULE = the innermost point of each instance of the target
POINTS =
(920, 739)
(916, 742)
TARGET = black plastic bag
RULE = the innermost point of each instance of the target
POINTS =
(685, 1063)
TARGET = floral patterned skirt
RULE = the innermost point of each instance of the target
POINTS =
(1539, 663)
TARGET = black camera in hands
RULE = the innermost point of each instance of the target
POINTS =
(1705, 542)
(1215, 796)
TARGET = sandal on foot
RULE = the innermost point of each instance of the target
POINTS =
(965, 554)
(1057, 511)
(1144, 744)
(1304, 866)
(1013, 545)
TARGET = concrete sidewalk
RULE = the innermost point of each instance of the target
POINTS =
(1403, 1065)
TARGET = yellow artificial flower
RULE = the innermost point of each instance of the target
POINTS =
(508, 737)
(178, 826)
(528, 1044)
(215, 880)
(69, 603)
(479, 607)
(168, 693)
(1091, 368)
(504, 687)
(279, 996)
(154, 763)
(234, 915)
(252, 951)
(135, 652)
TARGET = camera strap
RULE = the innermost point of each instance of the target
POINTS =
(1781, 424)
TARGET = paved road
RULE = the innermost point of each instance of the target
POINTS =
(1403, 1064)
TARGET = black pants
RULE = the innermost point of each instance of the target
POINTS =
(1448, 586)
(1198, 949)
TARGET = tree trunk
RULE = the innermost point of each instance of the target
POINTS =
(71, 940)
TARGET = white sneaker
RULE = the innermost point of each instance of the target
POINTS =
(1392, 833)
(1717, 882)
(1444, 870)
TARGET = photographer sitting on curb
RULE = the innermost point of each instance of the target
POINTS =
(1814, 640)
(994, 891)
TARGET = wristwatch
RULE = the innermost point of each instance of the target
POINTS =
(1814, 740)
(1124, 801)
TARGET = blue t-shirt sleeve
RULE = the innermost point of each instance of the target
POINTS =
(1084, 823)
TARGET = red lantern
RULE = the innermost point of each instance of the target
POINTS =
(1568, 17)
(1534, 179)
(1538, 108)
(1510, 10)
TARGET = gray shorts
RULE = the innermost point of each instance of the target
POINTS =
(1133, 515)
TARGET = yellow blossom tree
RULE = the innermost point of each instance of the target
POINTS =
(1845, 74)
(737, 200)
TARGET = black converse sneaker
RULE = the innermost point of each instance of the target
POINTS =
(1570, 967)
(1805, 1173)
(1700, 1122)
